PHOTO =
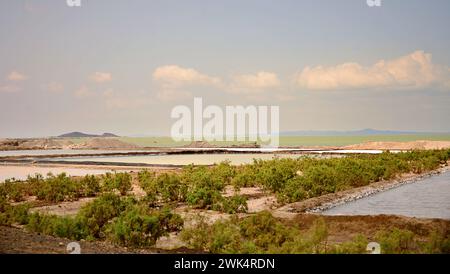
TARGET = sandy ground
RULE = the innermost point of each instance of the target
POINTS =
(15, 240)
(62, 143)
(114, 143)
(423, 144)
(21, 171)
(64, 208)
(103, 143)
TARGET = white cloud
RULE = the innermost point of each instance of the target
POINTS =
(174, 76)
(415, 70)
(16, 76)
(176, 82)
(254, 83)
(9, 89)
(101, 77)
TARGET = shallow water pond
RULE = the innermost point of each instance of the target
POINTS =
(427, 198)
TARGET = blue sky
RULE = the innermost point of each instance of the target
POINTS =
(121, 66)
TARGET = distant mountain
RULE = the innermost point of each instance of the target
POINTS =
(77, 134)
(362, 132)
(107, 134)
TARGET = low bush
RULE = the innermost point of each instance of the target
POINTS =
(13, 190)
(120, 219)
(298, 179)
(66, 227)
(117, 181)
(166, 187)
(17, 214)
(90, 186)
(141, 227)
(96, 214)
(262, 233)
(58, 188)
(397, 241)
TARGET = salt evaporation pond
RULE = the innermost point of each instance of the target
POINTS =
(426, 198)
(22, 172)
(181, 159)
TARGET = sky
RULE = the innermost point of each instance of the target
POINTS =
(122, 66)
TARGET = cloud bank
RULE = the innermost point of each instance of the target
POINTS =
(16, 76)
(412, 71)
(175, 76)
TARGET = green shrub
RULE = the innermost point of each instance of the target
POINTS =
(3, 203)
(90, 186)
(65, 227)
(13, 190)
(396, 241)
(166, 187)
(439, 242)
(58, 188)
(117, 181)
(17, 214)
(204, 188)
(141, 227)
(273, 174)
(96, 214)
(298, 179)
(262, 233)
(245, 176)
(224, 172)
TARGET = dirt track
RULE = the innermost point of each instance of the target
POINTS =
(15, 240)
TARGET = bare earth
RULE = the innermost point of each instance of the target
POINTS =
(401, 145)
(115, 144)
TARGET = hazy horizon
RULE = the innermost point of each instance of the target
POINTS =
(292, 133)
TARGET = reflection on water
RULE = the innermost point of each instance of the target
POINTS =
(427, 198)
(249, 150)
(183, 159)
(21, 172)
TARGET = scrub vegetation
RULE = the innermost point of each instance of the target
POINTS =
(119, 216)
(262, 233)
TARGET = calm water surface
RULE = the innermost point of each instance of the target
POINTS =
(59, 152)
(22, 172)
(182, 159)
(427, 198)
